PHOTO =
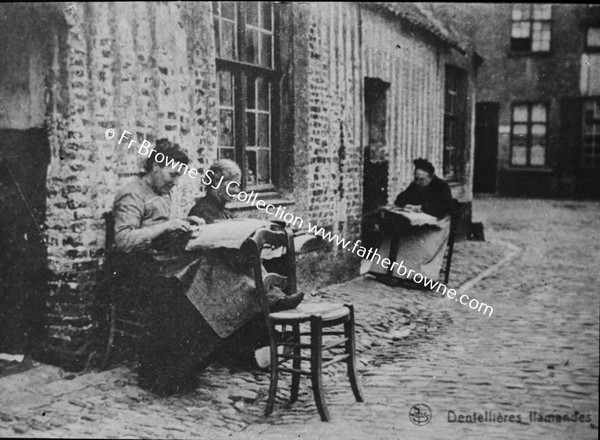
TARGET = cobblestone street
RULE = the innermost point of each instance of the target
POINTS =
(538, 352)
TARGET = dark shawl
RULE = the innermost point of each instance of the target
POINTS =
(435, 199)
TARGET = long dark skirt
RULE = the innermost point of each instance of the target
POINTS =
(179, 342)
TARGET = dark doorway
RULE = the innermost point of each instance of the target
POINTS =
(375, 177)
(486, 147)
(24, 159)
(26, 53)
(375, 171)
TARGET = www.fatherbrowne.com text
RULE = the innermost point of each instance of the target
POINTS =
(280, 213)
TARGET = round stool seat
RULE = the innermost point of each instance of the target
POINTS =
(304, 311)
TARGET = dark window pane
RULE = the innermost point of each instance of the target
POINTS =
(264, 167)
(216, 8)
(451, 103)
(217, 37)
(227, 153)
(228, 43)
(251, 95)
(251, 133)
(251, 171)
(520, 44)
(266, 50)
(228, 10)
(449, 129)
(263, 92)
(266, 15)
(225, 88)
(226, 127)
(252, 13)
(251, 46)
(264, 139)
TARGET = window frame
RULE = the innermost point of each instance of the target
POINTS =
(241, 70)
(582, 161)
(454, 171)
(528, 146)
(531, 21)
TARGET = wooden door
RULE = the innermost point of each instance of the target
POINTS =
(486, 147)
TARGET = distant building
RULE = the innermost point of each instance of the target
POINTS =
(323, 105)
(538, 97)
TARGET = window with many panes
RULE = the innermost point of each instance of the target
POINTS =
(531, 28)
(245, 39)
(529, 134)
(454, 122)
(591, 133)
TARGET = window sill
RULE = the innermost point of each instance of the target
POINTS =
(513, 54)
(269, 198)
(544, 170)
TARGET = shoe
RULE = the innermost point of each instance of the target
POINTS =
(287, 303)
(412, 285)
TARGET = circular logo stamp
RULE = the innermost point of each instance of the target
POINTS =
(420, 414)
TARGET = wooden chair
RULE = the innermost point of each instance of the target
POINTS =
(320, 316)
(125, 316)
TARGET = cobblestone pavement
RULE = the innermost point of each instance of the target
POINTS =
(538, 352)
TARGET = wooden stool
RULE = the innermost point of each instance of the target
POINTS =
(320, 316)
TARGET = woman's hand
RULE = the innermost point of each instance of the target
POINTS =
(195, 222)
(177, 224)
(413, 208)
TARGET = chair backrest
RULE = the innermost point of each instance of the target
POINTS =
(109, 225)
(451, 239)
(275, 237)
(454, 214)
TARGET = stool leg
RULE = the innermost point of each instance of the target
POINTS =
(351, 359)
(111, 337)
(316, 343)
(297, 363)
(274, 370)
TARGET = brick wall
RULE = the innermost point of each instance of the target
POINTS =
(143, 67)
(149, 68)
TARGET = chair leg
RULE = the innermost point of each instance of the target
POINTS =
(111, 336)
(449, 257)
(296, 364)
(274, 370)
(316, 342)
(351, 359)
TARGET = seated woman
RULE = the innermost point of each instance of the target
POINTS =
(420, 248)
(228, 264)
(150, 253)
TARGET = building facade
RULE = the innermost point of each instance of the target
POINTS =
(323, 105)
(537, 97)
